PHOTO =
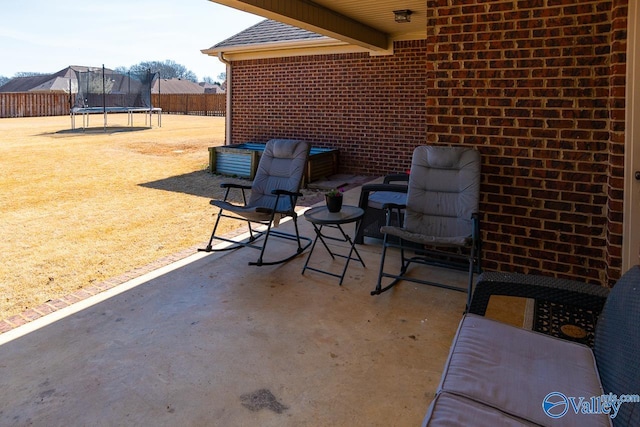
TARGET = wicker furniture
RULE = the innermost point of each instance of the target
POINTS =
(498, 374)
(373, 198)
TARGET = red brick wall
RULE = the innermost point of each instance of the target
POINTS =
(537, 86)
(615, 184)
(371, 108)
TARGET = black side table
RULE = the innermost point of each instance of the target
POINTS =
(320, 217)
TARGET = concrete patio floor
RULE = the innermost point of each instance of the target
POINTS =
(210, 341)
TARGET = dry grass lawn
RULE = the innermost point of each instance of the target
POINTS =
(78, 208)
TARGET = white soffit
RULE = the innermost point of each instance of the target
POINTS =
(368, 24)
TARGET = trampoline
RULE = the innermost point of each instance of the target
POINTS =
(104, 92)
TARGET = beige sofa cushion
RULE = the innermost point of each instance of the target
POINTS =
(513, 370)
(455, 411)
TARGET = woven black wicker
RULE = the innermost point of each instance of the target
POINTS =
(540, 288)
(617, 332)
(617, 343)
(375, 216)
(615, 351)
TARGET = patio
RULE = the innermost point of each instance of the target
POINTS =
(199, 343)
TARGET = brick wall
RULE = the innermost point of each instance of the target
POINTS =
(371, 108)
(537, 86)
(615, 183)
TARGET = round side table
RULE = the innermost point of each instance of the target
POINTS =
(320, 217)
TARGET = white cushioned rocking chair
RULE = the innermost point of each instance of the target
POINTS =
(440, 225)
(274, 194)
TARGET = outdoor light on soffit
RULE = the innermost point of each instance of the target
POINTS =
(402, 16)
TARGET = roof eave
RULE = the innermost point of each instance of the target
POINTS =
(282, 50)
(275, 46)
(314, 17)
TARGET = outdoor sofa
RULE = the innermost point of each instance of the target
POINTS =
(499, 374)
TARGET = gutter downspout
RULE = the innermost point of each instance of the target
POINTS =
(227, 126)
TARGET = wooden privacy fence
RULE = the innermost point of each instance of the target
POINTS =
(30, 104)
(199, 104)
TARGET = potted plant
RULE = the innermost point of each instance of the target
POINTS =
(333, 199)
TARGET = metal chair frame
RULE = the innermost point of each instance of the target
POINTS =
(258, 215)
(422, 241)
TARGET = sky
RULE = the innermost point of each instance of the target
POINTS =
(46, 36)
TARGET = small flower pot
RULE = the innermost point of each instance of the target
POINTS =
(334, 204)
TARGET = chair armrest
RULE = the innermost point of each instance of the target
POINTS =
(278, 192)
(391, 206)
(234, 185)
(561, 291)
(265, 210)
(396, 177)
(370, 188)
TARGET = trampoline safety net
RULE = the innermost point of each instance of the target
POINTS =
(105, 91)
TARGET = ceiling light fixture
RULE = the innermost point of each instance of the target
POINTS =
(403, 15)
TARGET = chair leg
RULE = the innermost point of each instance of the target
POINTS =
(469, 286)
(295, 225)
(379, 289)
(478, 255)
(209, 246)
(257, 233)
(404, 262)
(283, 235)
(264, 244)
(472, 257)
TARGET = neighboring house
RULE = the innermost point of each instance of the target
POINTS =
(537, 88)
(176, 86)
(212, 88)
(64, 81)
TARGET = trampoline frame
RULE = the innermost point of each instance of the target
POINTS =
(87, 111)
(80, 106)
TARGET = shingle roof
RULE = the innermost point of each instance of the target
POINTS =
(56, 82)
(24, 84)
(268, 31)
(176, 86)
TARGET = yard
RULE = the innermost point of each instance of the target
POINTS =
(79, 208)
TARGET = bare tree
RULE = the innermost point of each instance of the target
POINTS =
(168, 69)
(28, 74)
(97, 84)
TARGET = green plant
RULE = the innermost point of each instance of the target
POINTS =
(334, 192)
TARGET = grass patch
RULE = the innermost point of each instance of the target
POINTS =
(78, 208)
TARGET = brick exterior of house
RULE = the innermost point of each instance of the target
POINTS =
(372, 108)
(536, 86)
